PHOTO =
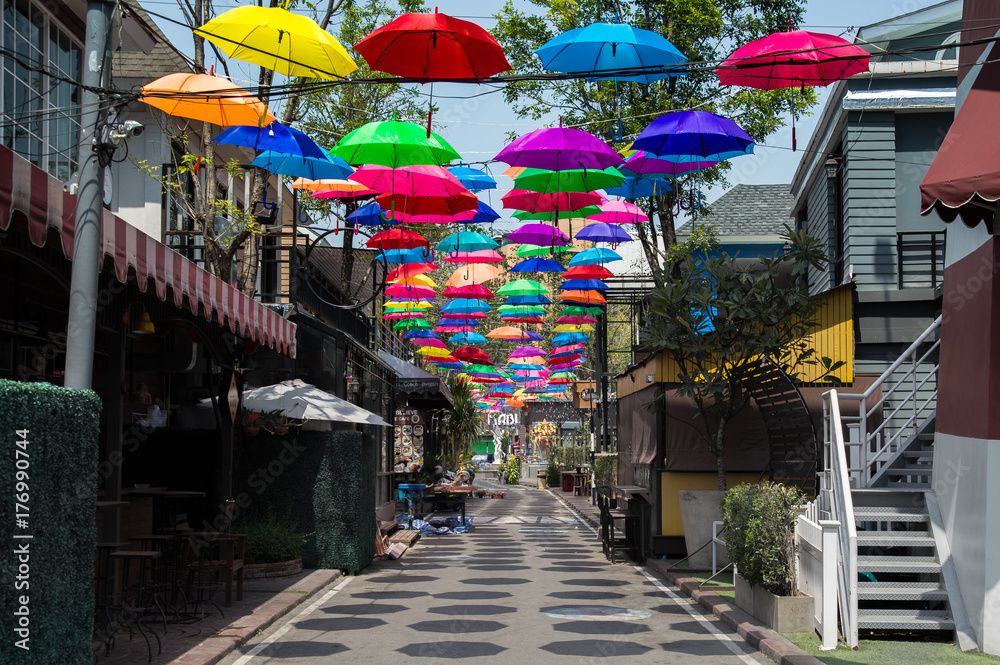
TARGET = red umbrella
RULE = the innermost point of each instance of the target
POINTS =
(520, 199)
(429, 205)
(433, 47)
(468, 291)
(410, 270)
(396, 239)
(472, 354)
(594, 271)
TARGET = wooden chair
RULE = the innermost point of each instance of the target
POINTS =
(206, 556)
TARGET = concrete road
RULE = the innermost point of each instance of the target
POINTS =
(529, 583)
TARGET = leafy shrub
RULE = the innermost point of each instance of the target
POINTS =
(760, 534)
(269, 539)
(552, 473)
(605, 470)
(513, 471)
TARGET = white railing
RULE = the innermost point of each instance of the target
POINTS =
(870, 451)
(835, 504)
(817, 561)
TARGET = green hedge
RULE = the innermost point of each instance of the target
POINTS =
(63, 427)
(323, 483)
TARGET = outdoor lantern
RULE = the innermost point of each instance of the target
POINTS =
(143, 325)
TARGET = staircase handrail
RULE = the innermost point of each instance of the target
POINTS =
(837, 504)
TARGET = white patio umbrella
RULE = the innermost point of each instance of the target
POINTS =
(299, 399)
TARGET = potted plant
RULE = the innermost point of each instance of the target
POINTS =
(251, 422)
(759, 522)
(274, 545)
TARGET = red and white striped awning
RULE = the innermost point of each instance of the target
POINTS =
(29, 189)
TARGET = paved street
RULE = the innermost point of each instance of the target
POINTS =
(529, 583)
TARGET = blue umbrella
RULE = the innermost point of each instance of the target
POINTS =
(414, 299)
(601, 51)
(527, 300)
(584, 285)
(370, 215)
(569, 338)
(635, 188)
(421, 334)
(603, 232)
(274, 137)
(594, 255)
(298, 166)
(467, 338)
(465, 306)
(473, 179)
(466, 241)
(484, 215)
(416, 255)
(458, 365)
(694, 136)
(448, 321)
(538, 264)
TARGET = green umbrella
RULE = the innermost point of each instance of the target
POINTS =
(573, 180)
(563, 214)
(581, 310)
(526, 310)
(522, 287)
(393, 143)
(412, 324)
(537, 250)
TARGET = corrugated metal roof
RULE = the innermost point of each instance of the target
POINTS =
(162, 60)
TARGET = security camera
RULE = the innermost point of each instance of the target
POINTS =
(133, 127)
(118, 134)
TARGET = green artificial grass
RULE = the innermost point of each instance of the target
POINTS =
(888, 652)
(722, 579)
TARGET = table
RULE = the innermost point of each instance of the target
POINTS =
(452, 497)
(580, 482)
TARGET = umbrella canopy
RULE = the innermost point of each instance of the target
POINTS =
(473, 179)
(634, 188)
(393, 143)
(334, 188)
(591, 271)
(792, 60)
(413, 255)
(410, 270)
(587, 297)
(573, 327)
(538, 265)
(481, 215)
(645, 165)
(465, 306)
(603, 232)
(619, 212)
(307, 402)
(417, 180)
(420, 334)
(429, 205)
(466, 241)
(279, 40)
(409, 291)
(396, 239)
(467, 338)
(372, 215)
(612, 52)
(537, 299)
(432, 47)
(584, 285)
(694, 136)
(510, 332)
(526, 352)
(206, 98)
(559, 148)
(473, 274)
(478, 256)
(468, 291)
(583, 310)
(570, 338)
(550, 215)
(566, 318)
(312, 168)
(273, 136)
(539, 234)
(528, 249)
(594, 255)
(569, 180)
(472, 354)
(522, 287)
(523, 310)
(522, 199)
(424, 342)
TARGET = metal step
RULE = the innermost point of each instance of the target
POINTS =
(905, 620)
(903, 591)
(898, 564)
(912, 470)
(888, 514)
(912, 486)
(919, 454)
(895, 539)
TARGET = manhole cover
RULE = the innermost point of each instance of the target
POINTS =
(597, 613)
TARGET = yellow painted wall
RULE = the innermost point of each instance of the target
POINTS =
(673, 482)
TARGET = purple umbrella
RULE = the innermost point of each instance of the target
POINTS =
(603, 232)
(541, 235)
(559, 149)
(645, 165)
(526, 352)
(694, 136)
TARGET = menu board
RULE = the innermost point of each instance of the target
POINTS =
(408, 433)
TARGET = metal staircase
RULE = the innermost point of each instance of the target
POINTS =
(896, 572)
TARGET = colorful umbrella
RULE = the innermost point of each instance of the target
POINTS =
(482, 215)
(576, 319)
(312, 168)
(573, 327)
(538, 265)
(582, 310)
(414, 255)
(273, 136)
(334, 188)
(472, 354)
(478, 256)
(528, 249)
(429, 205)
(412, 324)
(634, 188)
(548, 215)
(279, 40)
(584, 285)
(433, 47)
(473, 274)
(393, 143)
(409, 290)
(612, 52)
(206, 98)
(586, 297)
(510, 332)
(410, 270)
(792, 60)
(468, 291)
(694, 136)
(528, 300)
(372, 215)
(568, 180)
(644, 165)
(595, 255)
(422, 342)
(591, 271)
(473, 179)
(466, 241)
(396, 239)
(465, 306)
(416, 180)
(467, 338)
(539, 234)
(531, 201)
(522, 287)
(559, 148)
(619, 212)
(526, 352)
(603, 232)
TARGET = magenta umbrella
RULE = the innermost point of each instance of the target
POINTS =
(559, 149)
(541, 235)
(791, 60)
(478, 256)
(526, 352)
(521, 199)
(619, 212)
(409, 291)
(646, 165)
(421, 180)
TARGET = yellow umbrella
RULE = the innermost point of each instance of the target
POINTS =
(569, 327)
(434, 351)
(423, 304)
(206, 98)
(277, 39)
(416, 280)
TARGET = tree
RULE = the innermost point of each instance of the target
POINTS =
(463, 422)
(706, 31)
(719, 318)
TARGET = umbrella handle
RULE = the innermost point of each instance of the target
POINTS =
(305, 219)
(263, 201)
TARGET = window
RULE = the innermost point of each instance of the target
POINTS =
(41, 113)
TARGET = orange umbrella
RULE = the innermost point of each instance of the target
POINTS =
(507, 332)
(588, 297)
(473, 274)
(515, 402)
(514, 171)
(329, 185)
(207, 98)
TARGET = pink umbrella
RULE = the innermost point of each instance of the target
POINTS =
(478, 256)
(429, 341)
(422, 180)
(469, 291)
(522, 199)
(453, 329)
(404, 315)
(643, 163)
(619, 212)
(409, 291)
(526, 352)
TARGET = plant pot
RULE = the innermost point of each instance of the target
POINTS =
(784, 614)
(256, 571)
(251, 431)
(699, 508)
(281, 430)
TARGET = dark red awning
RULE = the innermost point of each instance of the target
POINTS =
(41, 198)
(964, 178)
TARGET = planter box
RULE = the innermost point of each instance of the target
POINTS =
(785, 614)
(256, 571)
(699, 508)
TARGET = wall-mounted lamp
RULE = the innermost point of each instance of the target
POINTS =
(831, 168)
(142, 325)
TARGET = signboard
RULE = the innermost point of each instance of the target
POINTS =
(408, 437)
(418, 385)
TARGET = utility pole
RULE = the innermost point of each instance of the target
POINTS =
(89, 199)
